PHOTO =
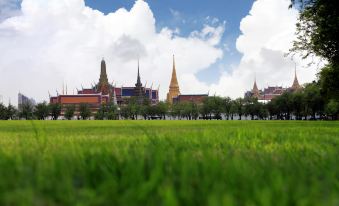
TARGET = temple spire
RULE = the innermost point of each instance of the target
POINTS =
(139, 92)
(255, 90)
(138, 78)
(174, 90)
(174, 80)
(103, 85)
(295, 85)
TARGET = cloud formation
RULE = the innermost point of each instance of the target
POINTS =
(267, 34)
(58, 41)
(50, 42)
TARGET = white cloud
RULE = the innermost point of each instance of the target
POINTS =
(58, 41)
(267, 35)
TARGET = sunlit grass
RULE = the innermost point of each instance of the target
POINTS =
(169, 163)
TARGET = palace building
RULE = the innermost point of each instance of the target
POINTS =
(272, 91)
(174, 96)
(104, 92)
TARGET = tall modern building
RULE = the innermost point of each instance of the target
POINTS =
(22, 100)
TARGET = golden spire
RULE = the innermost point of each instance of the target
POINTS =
(174, 80)
(174, 90)
(295, 85)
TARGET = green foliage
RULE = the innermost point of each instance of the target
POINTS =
(318, 28)
(239, 107)
(317, 35)
(26, 111)
(69, 112)
(107, 112)
(169, 163)
(55, 110)
(12, 112)
(41, 111)
(332, 109)
(3, 112)
(84, 111)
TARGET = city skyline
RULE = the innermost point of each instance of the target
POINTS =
(66, 47)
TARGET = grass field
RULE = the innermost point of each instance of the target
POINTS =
(169, 163)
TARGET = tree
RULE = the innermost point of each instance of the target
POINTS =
(317, 29)
(227, 107)
(84, 111)
(26, 111)
(112, 111)
(332, 109)
(3, 112)
(69, 111)
(41, 111)
(162, 109)
(313, 100)
(285, 105)
(11, 112)
(101, 113)
(317, 35)
(298, 104)
(55, 110)
(239, 107)
(329, 82)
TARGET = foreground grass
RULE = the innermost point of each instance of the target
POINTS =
(169, 163)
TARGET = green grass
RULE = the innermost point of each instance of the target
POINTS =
(169, 163)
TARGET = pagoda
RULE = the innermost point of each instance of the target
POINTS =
(295, 86)
(139, 92)
(255, 90)
(103, 86)
(174, 90)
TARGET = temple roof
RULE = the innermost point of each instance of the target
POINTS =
(295, 85)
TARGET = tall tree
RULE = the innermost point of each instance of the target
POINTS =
(26, 111)
(239, 106)
(55, 110)
(3, 112)
(69, 111)
(84, 111)
(41, 111)
(317, 34)
(12, 112)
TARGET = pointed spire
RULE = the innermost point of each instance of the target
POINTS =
(174, 90)
(138, 78)
(103, 85)
(255, 90)
(295, 85)
(139, 91)
(174, 80)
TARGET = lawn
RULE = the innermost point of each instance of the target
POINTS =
(169, 163)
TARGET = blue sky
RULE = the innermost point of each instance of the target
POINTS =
(191, 15)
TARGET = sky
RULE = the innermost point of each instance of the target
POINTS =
(220, 46)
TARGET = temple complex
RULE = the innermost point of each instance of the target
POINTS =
(272, 91)
(104, 92)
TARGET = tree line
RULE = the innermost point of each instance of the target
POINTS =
(306, 104)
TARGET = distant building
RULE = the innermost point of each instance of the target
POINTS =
(23, 100)
(194, 98)
(272, 91)
(104, 92)
(174, 96)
